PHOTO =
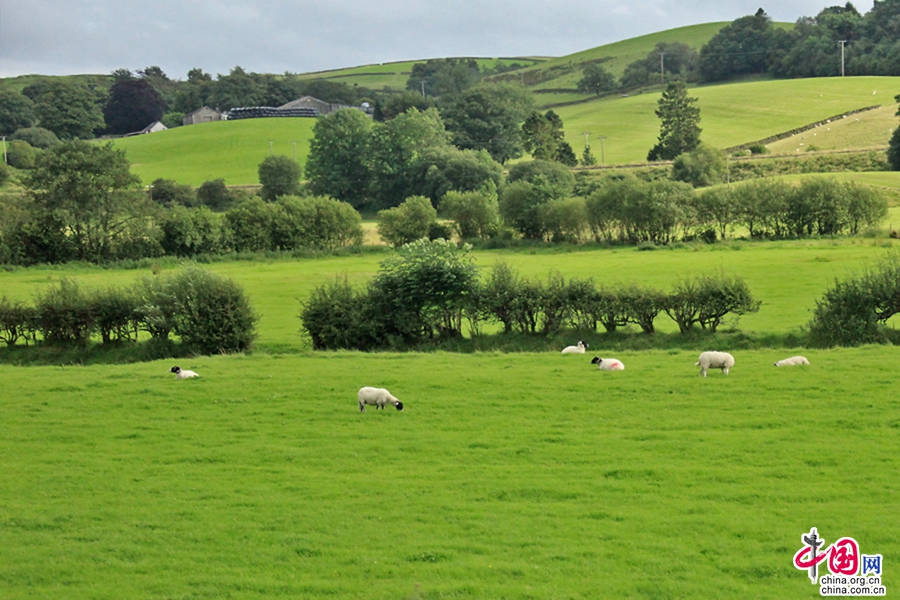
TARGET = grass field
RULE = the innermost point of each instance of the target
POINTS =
(506, 476)
(229, 150)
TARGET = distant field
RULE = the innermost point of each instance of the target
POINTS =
(870, 129)
(730, 114)
(229, 150)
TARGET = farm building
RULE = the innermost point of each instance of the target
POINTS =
(203, 115)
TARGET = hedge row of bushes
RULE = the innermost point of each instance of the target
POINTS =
(209, 313)
(428, 289)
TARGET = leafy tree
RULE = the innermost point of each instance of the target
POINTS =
(338, 162)
(323, 222)
(173, 119)
(133, 104)
(20, 154)
(16, 112)
(566, 155)
(558, 177)
(215, 195)
(542, 135)
(477, 214)
(596, 80)
(92, 190)
(702, 166)
(38, 137)
(893, 152)
(679, 127)
(251, 223)
(69, 110)
(279, 176)
(188, 232)
(169, 192)
(408, 222)
(332, 91)
(397, 104)
(443, 76)
(679, 62)
(487, 117)
(236, 89)
(740, 48)
(522, 206)
(438, 171)
(587, 158)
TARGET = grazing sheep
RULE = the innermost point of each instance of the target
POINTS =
(579, 349)
(792, 361)
(715, 360)
(378, 397)
(182, 374)
(608, 364)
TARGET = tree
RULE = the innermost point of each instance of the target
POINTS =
(69, 110)
(408, 222)
(679, 127)
(16, 112)
(236, 89)
(477, 214)
(36, 136)
(702, 166)
(596, 80)
(678, 60)
(397, 104)
(443, 76)
(487, 117)
(587, 158)
(893, 153)
(738, 49)
(133, 104)
(90, 188)
(542, 134)
(279, 176)
(338, 161)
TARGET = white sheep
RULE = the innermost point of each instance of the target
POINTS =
(579, 349)
(181, 373)
(792, 361)
(608, 364)
(377, 397)
(714, 360)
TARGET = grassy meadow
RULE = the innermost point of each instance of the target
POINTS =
(506, 476)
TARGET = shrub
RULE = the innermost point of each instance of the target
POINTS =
(64, 315)
(566, 219)
(170, 193)
(521, 206)
(191, 231)
(279, 176)
(408, 222)
(556, 308)
(16, 321)
(20, 154)
(333, 314)
(156, 306)
(38, 137)
(720, 295)
(323, 222)
(477, 214)
(557, 177)
(173, 119)
(250, 225)
(212, 314)
(115, 312)
(609, 309)
(500, 294)
(4, 173)
(701, 167)
(641, 306)
(215, 195)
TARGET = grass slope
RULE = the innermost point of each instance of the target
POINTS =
(507, 476)
(730, 114)
(229, 150)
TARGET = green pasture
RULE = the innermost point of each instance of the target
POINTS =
(517, 476)
(229, 150)
(788, 277)
(730, 114)
(870, 129)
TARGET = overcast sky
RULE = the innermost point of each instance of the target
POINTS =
(59, 37)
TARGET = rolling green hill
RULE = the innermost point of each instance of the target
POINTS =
(229, 150)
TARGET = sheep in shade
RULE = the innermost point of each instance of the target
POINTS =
(377, 397)
(577, 349)
(608, 364)
(181, 373)
(715, 360)
(792, 361)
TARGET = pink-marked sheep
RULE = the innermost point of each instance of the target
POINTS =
(377, 397)
(714, 360)
(181, 373)
(792, 361)
(577, 349)
(608, 364)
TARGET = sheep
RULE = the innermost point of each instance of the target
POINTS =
(608, 364)
(182, 374)
(377, 396)
(714, 360)
(579, 349)
(792, 361)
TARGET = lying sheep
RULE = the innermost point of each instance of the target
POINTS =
(377, 397)
(608, 364)
(792, 361)
(182, 374)
(579, 349)
(715, 360)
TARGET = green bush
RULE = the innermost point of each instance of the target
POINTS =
(115, 312)
(324, 222)
(642, 305)
(333, 315)
(17, 321)
(250, 225)
(20, 154)
(212, 314)
(215, 195)
(279, 176)
(38, 137)
(477, 214)
(169, 192)
(64, 314)
(500, 295)
(566, 219)
(156, 306)
(701, 167)
(408, 222)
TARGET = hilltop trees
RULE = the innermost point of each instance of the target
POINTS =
(738, 49)
(16, 112)
(679, 123)
(69, 110)
(596, 80)
(338, 162)
(133, 104)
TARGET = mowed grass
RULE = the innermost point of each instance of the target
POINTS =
(871, 129)
(788, 277)
(506, 476)
(730, 114)
(229, 150)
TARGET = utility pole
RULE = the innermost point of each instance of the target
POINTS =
(423, 89)
(5, 161)
(602, 152)
(842, 42)
(295, 151)
(271, 150)
(662, 69)
(587, 144)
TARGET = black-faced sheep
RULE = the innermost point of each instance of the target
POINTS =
(577, 349)
(378, 397)
(792, 361)
(181, 373)
(608, 364)
(715, 360)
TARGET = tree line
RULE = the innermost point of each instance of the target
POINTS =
(427, 290)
